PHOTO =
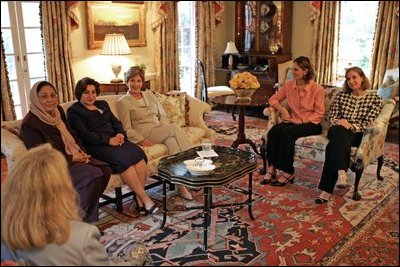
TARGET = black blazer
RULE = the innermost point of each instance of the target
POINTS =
(92, 126)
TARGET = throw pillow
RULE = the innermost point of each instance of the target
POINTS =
(175, 107)
(390, 86)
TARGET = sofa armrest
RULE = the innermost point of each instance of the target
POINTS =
(372, 143)
(12, 147)
(197, 109)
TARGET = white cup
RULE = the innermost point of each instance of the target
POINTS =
(198, 161)
(206, 145)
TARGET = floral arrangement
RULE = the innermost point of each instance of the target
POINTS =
(244, 80)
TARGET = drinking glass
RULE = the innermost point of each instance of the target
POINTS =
(206, 145)
(198, 161)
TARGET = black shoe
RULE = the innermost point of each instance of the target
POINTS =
(320, 200)
(270, 179)
(140, 209)
(289, 179)
(152, 210)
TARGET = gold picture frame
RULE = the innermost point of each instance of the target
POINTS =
(105, 17)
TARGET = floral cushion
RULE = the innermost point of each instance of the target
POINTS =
(313, 147)
(175, 107)
(390, 86)
(195, 134)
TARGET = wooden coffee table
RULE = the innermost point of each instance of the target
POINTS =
(232, 164)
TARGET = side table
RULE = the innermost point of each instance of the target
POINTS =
(116, 88)
(231, 101)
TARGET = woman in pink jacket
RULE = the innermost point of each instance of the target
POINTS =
(306, 109)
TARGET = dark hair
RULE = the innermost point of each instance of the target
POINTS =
(43, 84)
(305, 64)
(81, 85)
(365, 83)
(133, 71)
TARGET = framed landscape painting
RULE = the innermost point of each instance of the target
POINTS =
(110, 17)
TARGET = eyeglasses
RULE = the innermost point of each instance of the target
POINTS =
(45, 97)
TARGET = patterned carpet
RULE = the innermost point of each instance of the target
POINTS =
(289, 229)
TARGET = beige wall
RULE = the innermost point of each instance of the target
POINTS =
(302, 31)
(91, 63)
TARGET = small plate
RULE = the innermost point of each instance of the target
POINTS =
(200, 170)
(242, 67)
(192, 162)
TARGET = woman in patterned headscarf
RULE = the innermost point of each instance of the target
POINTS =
(46, 123)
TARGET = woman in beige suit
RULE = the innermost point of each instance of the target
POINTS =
(145, 121)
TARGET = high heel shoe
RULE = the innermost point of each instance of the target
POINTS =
(287, 180)
(152, 210)
(321, 200)
(342, 181)
(140, 209)
(270, 179)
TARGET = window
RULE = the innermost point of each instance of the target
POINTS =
(356, 36)
(23, 47)
(187, 46)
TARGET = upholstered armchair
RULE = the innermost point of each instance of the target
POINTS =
(313, 147)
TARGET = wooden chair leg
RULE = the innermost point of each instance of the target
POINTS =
(233, 114)
(263, 170)
(358, 168)
(118, 198)
(378, 170)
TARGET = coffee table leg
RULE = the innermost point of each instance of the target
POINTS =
(164, 189)
(206, 213)
(250, 196)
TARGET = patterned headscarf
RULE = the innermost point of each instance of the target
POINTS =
(71, 147)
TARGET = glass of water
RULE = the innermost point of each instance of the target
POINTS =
(206, 145)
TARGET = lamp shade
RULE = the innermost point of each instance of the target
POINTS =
(231, 48)
(115, 44)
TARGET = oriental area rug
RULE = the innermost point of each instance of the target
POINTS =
(289, 228)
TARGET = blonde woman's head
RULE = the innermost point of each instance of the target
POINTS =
(38, 200)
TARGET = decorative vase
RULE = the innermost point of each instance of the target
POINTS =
(244, 95)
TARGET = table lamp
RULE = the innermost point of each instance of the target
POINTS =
(114, 45)
(230, 49)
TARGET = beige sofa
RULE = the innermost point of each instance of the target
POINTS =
(196, 129)
(313, 147)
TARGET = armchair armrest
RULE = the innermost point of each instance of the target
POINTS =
(197, 109)
(372, 143)
(11, 146)
(273, 118)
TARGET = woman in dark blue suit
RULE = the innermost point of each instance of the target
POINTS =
(104, 137)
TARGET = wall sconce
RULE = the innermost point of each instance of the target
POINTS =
(230, 49)
(115, 45)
